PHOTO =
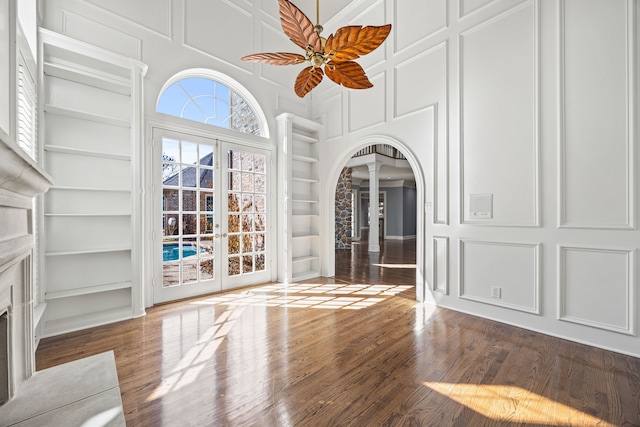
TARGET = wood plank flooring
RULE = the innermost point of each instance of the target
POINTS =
(356, 350)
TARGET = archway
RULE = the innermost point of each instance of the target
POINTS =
(334, 174)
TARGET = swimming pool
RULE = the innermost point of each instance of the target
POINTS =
(171, 252)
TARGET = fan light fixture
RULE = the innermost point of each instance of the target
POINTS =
(335, 54)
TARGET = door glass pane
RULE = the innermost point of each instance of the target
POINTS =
(234, 266)
(247, 196)
(188, 212)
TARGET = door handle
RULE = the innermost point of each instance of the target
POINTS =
(217, 236)
(224, 234)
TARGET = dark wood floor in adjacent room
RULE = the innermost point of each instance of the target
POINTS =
(353, 350)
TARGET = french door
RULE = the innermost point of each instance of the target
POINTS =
(212, 230)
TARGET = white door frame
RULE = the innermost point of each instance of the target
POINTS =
(422, 231)
(154, 204)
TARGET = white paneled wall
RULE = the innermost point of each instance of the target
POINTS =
(510, 269)
(597, 104)
(532, 106)
(499, 120)
(531, 102)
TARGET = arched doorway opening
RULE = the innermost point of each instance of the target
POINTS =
(397, 249)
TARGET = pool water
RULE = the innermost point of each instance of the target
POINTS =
(172, 252)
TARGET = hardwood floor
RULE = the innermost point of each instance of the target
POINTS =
(354, 350)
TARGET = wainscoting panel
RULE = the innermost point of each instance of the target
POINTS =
(499, 116)
(441, 264)
(138, 13)
(367, 107)
(605, 199)
(420, 19)
(421, 81)
(501, 273)
(466, 7)
(96, 33)
(333, 120)
(596, 288)
(208, 25)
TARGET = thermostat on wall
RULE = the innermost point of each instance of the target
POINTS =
(480, 206)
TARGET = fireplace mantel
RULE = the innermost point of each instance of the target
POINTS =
(21, 179)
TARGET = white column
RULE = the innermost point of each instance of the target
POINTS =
(374, 190)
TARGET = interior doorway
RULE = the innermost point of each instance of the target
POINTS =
(395, 214)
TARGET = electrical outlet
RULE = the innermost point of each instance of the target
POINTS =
(496, 292)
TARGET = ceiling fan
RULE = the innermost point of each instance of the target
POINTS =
(335, 53)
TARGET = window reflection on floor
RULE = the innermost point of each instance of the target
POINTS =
(330, 296)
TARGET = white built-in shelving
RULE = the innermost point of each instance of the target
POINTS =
(91, 136)
(299, 186)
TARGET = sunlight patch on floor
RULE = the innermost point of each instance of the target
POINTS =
(193, 362)
(413, 266)
(514, 404)
(327, 296)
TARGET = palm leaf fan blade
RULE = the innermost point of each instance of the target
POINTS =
(348, 74)
(307, 80)
(298, 27)
(277, 58)
(355, 41)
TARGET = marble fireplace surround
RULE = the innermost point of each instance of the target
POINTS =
(21, 179)
(76, 393)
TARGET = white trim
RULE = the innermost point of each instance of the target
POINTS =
(631, 311)
(536, 279)
(632, 101)
(536, 117)
(444, 241)
(388, 237)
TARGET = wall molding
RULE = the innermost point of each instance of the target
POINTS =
(475, 11)
(401, 65)
(416, 42)
(168, 23)
(382, 76)
(631, 310)
(440, 271)
(631, 102)
(535, 247)
(440, 166)
(535, 123)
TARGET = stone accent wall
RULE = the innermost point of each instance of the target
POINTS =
(344, 210)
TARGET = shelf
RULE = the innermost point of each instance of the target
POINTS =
(88, 76)
(106, 190)
(304, 138)
(298, 182)
(86, 251)
(87, 290)
(305, 275)
(83, 215)
(88, 320)
(75, 114)
(304, 236)
(88, 153)
(306, 180)
(304, 159)
(305, 258)
(38, 312)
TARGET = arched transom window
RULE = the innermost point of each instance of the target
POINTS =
(213, 99)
